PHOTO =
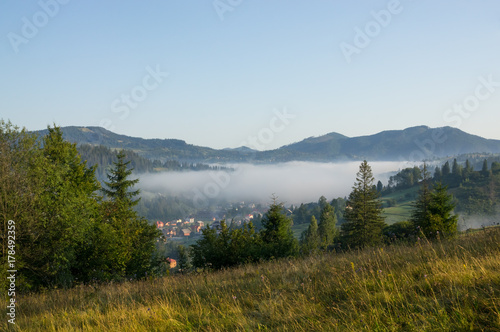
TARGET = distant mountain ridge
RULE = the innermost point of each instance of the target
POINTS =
(415, 143)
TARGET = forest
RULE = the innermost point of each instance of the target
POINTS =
(103, 157)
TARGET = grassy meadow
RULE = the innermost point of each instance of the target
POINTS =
(443, 286)
(403, 207)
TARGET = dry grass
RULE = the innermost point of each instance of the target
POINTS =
(443, 286)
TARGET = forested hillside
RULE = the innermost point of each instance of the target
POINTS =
(103, 157)
(416, 143)
(476, 189)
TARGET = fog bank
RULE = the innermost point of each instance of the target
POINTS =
(292, 182)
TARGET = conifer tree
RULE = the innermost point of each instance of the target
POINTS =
(136, 238)
(467, 171)
(119, 184)
(484, 170)
(456, 169)
(437, 173)
(326, 228)
(432, 211)
(420, 215)
(363, 214)
(380, 186)
(183, 262)
(310, 239)
(277, 233)
(441, 208)
(446, 169)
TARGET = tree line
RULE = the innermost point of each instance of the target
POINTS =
(103, 157)
(477, 192)
(363, 226)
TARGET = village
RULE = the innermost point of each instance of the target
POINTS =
(190, 228)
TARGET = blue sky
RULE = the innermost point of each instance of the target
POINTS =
(217, 73)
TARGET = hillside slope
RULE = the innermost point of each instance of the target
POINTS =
(414, 143)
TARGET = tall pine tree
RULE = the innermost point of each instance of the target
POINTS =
(363, 213)
(420, 215)
(136, 238)
(119, 185)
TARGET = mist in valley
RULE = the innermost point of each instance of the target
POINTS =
(477, 221)
(292, 182)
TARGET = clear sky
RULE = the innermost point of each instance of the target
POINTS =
(217, 73)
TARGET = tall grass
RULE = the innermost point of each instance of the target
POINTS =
(442, 286)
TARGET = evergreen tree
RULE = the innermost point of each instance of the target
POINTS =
(495, 167)
(119, 184)
(206, 253)
(446, 169)
(420, 215)
(467, 172)
(437, 173)
(222, 247)
(300, 214)
(322, 202)
(432, 212)
(456, 169)
(183, 263)
(484, 170)
(468, 167)
(441, 208)
(363, 214)
(277, 233)
(310, 239)
(326, 228)
(246, 244)
(49, 194)
(380, 186)
(136, 238)
(62, 235)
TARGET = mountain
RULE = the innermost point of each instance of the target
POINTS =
(160, 149)
(241, 149)
(415, 143)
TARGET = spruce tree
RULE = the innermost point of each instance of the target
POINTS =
(468, 170)
(380, 186)
(441, 208)
(456, 168)
(432, 211)
(277, 233)
(437, 173)
(420, 215)
(446, 169)
(310, 239)
(119, 184)
(484, 170)
(183, 262)
(136, 238)
(363, 213)
(326, 228)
